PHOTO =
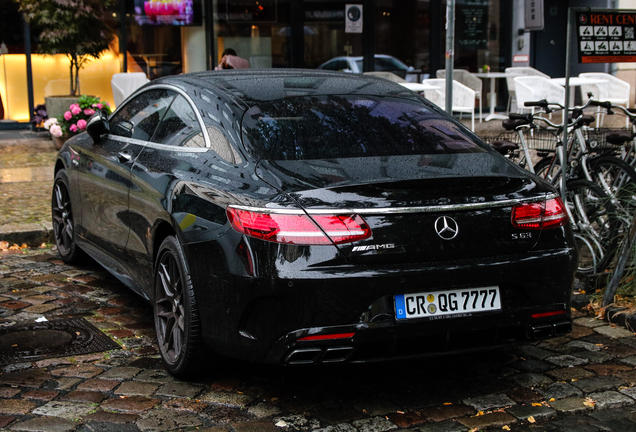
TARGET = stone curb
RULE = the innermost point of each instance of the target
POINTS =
(613, 314)
(32, 236)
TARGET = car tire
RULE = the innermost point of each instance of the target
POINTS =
(176, 312)
(63, 221)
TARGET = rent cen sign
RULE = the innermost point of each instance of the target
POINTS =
(606, 36)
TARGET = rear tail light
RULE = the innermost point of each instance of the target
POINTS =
(539, 216)
(299, 229)
(328, 337)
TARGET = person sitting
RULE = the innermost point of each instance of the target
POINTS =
(231, 60)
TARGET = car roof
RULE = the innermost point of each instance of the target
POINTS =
(248, 87)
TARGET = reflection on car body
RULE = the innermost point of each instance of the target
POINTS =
(298, 217)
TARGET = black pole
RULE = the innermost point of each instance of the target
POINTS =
(123, 36)
(208, 19)
(297, 34)
(29, 71)
(368, 34)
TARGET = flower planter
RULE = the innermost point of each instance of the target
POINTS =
(59, 141)
(56, 106)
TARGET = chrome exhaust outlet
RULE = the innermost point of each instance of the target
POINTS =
(303, 356)
(337, 354)
(562, 328)
(542, 331)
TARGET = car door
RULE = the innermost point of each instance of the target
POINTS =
(104, 177)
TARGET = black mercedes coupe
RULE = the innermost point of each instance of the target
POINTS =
(299, 217)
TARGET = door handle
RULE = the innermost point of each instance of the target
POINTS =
(124, 157)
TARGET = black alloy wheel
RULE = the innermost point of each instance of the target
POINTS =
(63, 223)
(176, 313)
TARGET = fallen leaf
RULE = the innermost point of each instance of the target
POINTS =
(4, 245)
(447, 403)
(531, 419)
(536, 404)
(589, 403)
(281, 423)
(505, 427)
(552, 399)
(400, 412)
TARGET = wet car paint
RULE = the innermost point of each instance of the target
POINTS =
(258, 298)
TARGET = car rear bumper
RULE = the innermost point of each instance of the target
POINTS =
(262, 319)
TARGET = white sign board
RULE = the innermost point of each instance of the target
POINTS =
(353, 18)
(534, 15)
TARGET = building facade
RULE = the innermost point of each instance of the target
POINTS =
(288, 34)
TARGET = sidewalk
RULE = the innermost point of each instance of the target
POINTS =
(26, 176)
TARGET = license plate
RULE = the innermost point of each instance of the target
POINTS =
(439, 303)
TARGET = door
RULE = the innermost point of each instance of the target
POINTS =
(104, 177)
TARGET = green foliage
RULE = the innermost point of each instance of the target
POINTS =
(75, 28)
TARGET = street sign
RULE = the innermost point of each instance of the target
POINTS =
(606, 36)
(533, 15)
(353, 18)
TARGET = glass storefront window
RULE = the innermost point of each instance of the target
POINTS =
(258, 31)
(325, 36)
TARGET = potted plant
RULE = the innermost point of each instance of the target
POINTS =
(75, 28)
(74, 120)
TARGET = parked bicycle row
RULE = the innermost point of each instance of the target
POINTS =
(594, 172)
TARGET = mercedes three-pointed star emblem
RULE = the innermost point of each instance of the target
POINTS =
(446, 227)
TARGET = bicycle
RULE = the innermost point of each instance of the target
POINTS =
(591, 210)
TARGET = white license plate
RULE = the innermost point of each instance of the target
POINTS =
(438, 303)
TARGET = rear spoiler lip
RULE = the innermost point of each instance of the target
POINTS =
(400, 210)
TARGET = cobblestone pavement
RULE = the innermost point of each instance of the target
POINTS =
(26, 178)
(583, 382)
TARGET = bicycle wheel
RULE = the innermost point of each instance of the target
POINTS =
(595, 225)
(618, 180)
(549, 169)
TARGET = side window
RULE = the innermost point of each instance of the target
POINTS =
(139, 118)
(220, 145)
(179, 126)
(336, 65)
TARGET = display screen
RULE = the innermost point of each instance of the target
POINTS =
(168, 12)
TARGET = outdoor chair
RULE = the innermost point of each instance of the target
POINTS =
(387, 75)
(614, 90)
(519, 71)
(125, 84)
(469, 80)
(463, 97)
(535, 88)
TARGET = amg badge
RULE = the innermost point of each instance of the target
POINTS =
(372, 247)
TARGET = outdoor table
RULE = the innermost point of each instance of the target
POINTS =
(493, 102)
(576, 82)
(418, 87)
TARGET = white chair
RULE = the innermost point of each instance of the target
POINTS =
(463, 97)
(519, 71)
(469, 80)
(535, 88)
(614, 90)
(125, 84)
(387, 76)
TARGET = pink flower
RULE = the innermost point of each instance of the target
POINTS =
(106, 103)
(56, 130)
(89, 112)
(76, 110)
(94, 105)
(68, 115)
(81, 124)
(75, 105)
(100, 106)
(73, 128)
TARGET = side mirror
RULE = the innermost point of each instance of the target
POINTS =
(98, 125)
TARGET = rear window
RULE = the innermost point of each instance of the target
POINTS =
(351, 126)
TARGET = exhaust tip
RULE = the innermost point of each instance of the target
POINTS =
(337, 354)
(303, 356)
